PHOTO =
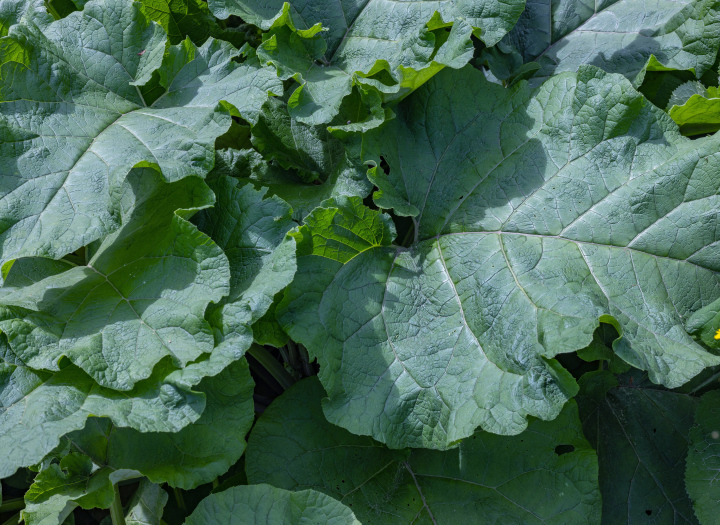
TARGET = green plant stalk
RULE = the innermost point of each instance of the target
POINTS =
(13, 520)
(12, 504)
(273, 367)
(116, 511)
(705, 383)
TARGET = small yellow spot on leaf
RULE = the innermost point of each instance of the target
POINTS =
(717, 334)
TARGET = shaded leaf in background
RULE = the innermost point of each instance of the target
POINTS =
(72, 133)
(538, 215)
(547, 474)
(263, 504)
(702, 476)
(624, 36)
(393, 47)
(641, 435)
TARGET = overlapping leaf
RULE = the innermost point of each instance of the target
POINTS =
(38, 408)
(619, 36)
(302, 164)
(641, 434)
(393, 47)
(74, 120)
(547, 474)
(538, 215)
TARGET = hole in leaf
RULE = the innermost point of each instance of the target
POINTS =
(648, 512)
(564, 449)
(384, 165)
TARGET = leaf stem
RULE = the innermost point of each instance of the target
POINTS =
(273, 367)
(12, 504)
(179, 500)
(116, 510)
(705, 383)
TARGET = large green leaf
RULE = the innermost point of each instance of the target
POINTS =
(703, 463)
(538, 215)
(401, 44)
(140, 298)
(38, 408)
(547, 474)
(640, 433)
(266, 505)
(74, 120)
(620, 36)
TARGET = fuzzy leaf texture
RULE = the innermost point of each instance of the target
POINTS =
(619, 36)
(538, 215)
(74, 120)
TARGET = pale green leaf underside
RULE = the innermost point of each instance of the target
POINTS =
(196, 454)
(265, 505)
(538, 215)
(489, 478)
(702, 476)
(640, 433)
(74, 122)
(618, 36)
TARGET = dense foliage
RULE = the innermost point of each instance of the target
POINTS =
(359, 262)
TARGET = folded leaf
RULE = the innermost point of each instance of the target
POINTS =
(74, 121)
(619, 36)
(538, 215)
(640, 433)
(402, 44)
(547, 474)
(140, 298)
(703, 463)
(263, 504)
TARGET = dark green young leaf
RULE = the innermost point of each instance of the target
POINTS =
(263, 504)
(538, 214)
(547, 474)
